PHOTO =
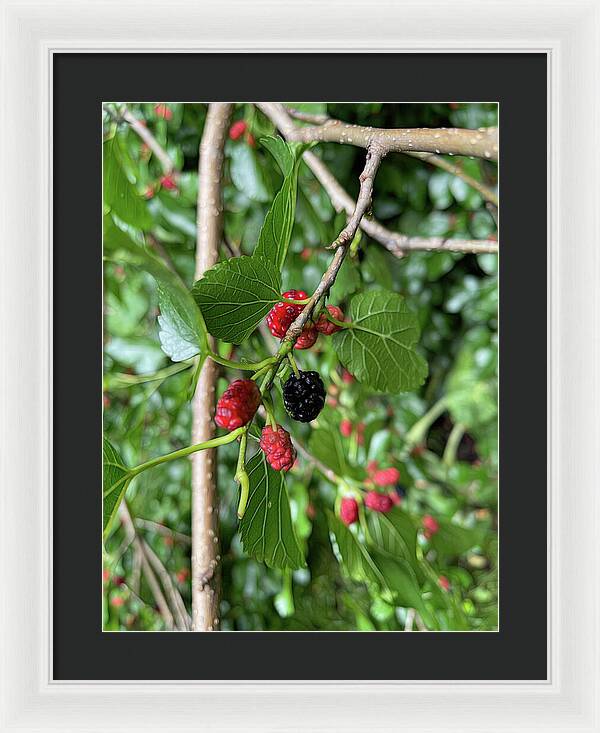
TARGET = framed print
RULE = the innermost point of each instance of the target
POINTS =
(334, 349)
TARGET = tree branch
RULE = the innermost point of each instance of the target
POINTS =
(481, 143)
(205, 546)
(396, 243)
(145, 134)
(342, 242)
(456, 170)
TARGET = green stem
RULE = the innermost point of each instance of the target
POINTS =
(213, 443)
(241, 475)
(341, 324)
(294, 366)
(452, 444)
(419, 430)
(248, 366)
(295, 302)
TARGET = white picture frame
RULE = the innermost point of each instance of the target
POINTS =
(568, 31)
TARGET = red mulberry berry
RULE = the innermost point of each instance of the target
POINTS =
(346, 428)
(237, 129)
(162, 110)
(378, 502)
(250, 140)
(349, 511)
(277, 447)
(237, 404)
(325, 326)
(282, 315)
(347, 378)
(386, 477)
(430, 526)
(307, 338)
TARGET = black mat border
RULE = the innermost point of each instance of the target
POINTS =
(81, 83)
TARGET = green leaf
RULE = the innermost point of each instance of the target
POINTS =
(326, 445)
(115, 480)
(266, 528)
(451, 540)
(182, 332)
(234, 296)
(119, 194)
(471, 385)
(394, 533)
(246, 173)
(391, 576)
(379, 348)
(281, 151)
(274, 237)
(346, 282)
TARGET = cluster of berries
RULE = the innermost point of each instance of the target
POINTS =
(282, 315)
(240, 128)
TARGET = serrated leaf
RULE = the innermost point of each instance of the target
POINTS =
(119, 193)
(115, 480)
(182, 332)
(266, 528)
(379, 348)
(234, 296)
(274, 237)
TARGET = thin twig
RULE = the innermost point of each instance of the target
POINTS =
(205, 544)
(137, 126)
(457, 171)
(161, 529)
(342, 242)
(180, 613)
(153, 584)
(396, 243)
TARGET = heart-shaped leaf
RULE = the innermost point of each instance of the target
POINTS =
(234, 296)
(266, 528)
(378, 348)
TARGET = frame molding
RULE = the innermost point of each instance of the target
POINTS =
(569, 32)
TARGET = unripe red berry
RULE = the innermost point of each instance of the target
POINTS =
(277, 447)
(183, 575)
(386, 477)
(347, 378)
(237, 404)
(444, 583)
(325, 326)
(348, 510)
(169, 182)
(346, 428)
(378, 502)
(237, 129)
(282, 315)
(307, 338)
(149, 192)
(117, 601)
(395, 497)
(162, 110)
(372, 466)
(250, 140)
(430, 526)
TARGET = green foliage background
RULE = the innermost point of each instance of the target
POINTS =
(443, 438)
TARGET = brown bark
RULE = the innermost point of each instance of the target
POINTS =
(205, 529)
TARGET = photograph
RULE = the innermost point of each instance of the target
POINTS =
(300, 366)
